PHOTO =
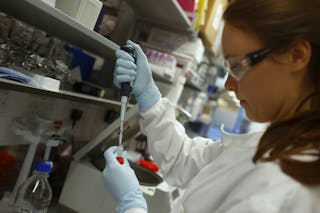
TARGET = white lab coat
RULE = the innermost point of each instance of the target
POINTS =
(219, 176)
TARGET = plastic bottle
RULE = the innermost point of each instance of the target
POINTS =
(34, 194)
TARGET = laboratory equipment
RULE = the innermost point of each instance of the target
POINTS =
(51, 146)
(84, 190)
(125, 93)
(34, 194)
(82, 195)
(32, 130)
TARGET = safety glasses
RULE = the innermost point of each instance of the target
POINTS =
(237, 69)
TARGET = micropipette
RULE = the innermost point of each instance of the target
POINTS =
(125, 93)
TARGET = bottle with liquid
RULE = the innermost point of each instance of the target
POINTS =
(34, 194)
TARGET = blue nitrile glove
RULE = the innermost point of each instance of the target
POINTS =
(144, 88)
(121, 181)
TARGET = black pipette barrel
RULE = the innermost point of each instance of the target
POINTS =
(126, 86)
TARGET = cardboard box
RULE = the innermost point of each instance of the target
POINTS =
(213, 25)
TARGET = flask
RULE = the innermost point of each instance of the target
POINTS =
(34, 194)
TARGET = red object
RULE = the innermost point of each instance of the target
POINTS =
(120, 160)
(6, 165)
(57, 124)
(149, 165)
(188, 5)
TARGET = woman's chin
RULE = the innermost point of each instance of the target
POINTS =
(255, 118)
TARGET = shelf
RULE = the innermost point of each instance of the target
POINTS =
(51, 20)
(165, 12)
(62, 94)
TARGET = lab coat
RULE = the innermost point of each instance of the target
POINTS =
(219, 176)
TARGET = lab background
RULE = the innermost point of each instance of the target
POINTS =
(58, 101)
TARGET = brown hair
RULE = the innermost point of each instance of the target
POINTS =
(294, 143)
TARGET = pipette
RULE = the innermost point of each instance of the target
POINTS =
(125, 93)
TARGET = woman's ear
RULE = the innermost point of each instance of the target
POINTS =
(299, 55)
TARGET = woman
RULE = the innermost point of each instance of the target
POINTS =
(272, 52)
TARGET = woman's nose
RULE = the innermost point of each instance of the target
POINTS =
(230, 83)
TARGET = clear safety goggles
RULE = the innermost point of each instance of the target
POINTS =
(237, 69)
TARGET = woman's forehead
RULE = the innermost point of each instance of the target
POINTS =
(237, 42)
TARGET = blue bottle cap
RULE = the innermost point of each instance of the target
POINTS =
(43, 166)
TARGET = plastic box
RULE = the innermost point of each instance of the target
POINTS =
(85, 12)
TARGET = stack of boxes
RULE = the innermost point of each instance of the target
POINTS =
(212, 30)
